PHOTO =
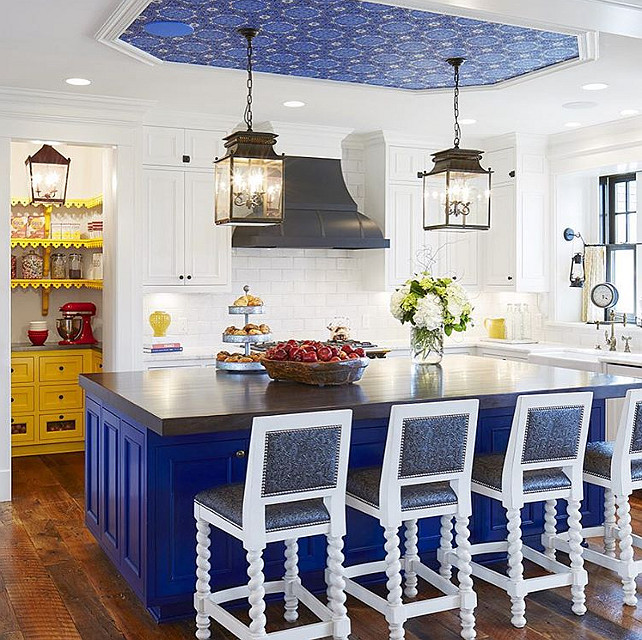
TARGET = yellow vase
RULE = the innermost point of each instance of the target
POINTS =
(160, 321)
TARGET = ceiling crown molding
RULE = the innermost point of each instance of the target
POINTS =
(57, 105)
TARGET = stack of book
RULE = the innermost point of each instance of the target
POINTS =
(162, 347)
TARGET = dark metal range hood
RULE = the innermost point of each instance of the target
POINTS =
(319, 213)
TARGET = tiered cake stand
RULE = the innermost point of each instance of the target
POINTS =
(246, 341)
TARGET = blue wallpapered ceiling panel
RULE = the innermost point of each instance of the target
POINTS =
(349, 41)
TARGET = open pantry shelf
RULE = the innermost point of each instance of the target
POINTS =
(93, 243)
(86, 203)
(48, 283)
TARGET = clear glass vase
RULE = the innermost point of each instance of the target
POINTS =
(427, 347)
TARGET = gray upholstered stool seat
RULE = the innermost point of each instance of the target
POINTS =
(597, 461)
(364, 484)
(487, 471)
(227, 502)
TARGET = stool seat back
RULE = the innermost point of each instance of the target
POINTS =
(628, 444)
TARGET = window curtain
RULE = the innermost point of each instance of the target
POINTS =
(594, 273)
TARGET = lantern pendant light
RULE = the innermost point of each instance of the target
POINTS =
(249, 178)
(456, 192)
(48, 174)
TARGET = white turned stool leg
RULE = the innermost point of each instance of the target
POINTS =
(445, 546)
(610, 525)
(580, 577)
(468, 597)
(626, 548)
(550, 528)
(336, 589)
(393, 572)
(202, 578)
(256, 598)
(411, 557)
(516, 566)
(291, 579)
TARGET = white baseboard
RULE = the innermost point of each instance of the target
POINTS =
(5, 485)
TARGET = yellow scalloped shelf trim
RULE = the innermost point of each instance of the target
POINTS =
(93, 243)
(47, 283)
(87, 203)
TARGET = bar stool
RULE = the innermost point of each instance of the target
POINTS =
(295, 487)
(425, 473)
(543, 461)
(616, 466)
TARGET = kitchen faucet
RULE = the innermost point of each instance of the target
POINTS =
(612, 340)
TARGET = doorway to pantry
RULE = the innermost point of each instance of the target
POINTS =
(56, 290)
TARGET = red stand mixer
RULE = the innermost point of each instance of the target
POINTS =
(75, 325)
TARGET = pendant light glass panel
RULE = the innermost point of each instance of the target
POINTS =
(456, 200)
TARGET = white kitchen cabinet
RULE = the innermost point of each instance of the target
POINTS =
(404, 163)
(514, 252)
(186, 148)
(458, 257)
(184, 246)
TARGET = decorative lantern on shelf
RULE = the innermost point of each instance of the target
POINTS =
(577, 274)
(456, 191)
(249, 178)
(48, 175)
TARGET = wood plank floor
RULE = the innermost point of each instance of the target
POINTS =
(56, 583)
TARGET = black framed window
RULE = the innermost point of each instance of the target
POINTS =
(619, 227)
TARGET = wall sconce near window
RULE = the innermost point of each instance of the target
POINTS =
(48, 174)
(577, 274)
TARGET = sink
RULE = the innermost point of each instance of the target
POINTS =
(569, 358)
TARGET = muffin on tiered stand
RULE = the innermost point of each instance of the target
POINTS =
(251, 333)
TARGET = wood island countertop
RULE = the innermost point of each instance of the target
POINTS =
(174, 402)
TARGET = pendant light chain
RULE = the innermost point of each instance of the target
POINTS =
(456, 63)
(249, 34)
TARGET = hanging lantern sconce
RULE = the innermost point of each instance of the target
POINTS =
(456, 192)
(249, 178)
(577, 276)
(48, 175)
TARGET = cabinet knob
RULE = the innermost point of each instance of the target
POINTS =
(61, 417)
(61, 368)
(240, 454)
(61, 397)
(181, 277)
(11, 369)
(186, 159)
(189, 277)
(11, 420)
(510, 277)
(11, 398)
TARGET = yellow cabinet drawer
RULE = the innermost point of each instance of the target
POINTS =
(22, 369)
(96, 362)
(60, 397)
(60, 427)
(23, 430)
(22, 400)
(60, 368)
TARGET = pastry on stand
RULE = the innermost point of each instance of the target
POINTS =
(251, 333)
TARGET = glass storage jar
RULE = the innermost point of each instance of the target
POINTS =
(58, 266)
(75, 266)
(32, 265)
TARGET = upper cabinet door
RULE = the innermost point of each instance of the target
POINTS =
(202, 147)
(164, 227)
(499, 241)
(405, 163)
(502, 163)
(207, 247)
(163, 146)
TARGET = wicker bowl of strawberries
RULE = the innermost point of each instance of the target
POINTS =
(315, 363)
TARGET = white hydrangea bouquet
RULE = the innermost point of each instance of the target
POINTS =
(434, 307)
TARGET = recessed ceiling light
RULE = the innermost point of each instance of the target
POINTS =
(468, 121)
(594, 86)
(573, 125)
(169, 28)
(627, 113)
(78, 82)
(294, 104)
(580, 104)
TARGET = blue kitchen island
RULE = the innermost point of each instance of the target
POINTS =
(155, 439)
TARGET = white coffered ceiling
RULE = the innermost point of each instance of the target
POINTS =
(44, 42)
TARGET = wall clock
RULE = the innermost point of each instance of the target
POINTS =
(604, 295)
